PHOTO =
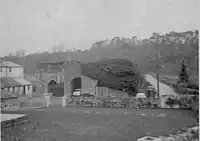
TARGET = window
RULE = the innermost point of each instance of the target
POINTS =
(28, 87)
(10, 69)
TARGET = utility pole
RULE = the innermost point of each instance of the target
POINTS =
(0, 85)
(157, 42)
(157, 69)
(1, 70)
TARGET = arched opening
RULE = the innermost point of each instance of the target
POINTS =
(56, 89)
(50, 85)
(75, 84)
(52, 82)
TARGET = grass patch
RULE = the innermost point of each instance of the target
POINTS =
(98, 124)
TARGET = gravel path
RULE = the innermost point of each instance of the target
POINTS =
(164, 89)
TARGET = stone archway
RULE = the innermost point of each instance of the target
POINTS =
(52, 82)
(72, 74)
(55, 88)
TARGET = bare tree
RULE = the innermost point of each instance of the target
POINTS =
(58, 48)
(20, 53)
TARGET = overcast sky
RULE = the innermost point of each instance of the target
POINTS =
(40, 24)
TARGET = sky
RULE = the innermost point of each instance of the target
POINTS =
(38, 25)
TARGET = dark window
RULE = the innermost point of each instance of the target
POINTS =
(28, 87)
(10, 69)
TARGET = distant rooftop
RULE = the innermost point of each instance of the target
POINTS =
(9, 64)
(52, 62)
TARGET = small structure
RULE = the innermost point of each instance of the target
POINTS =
(140, 95)
(47, 99)
(8, 120)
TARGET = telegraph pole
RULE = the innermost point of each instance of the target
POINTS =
(157, 69)
(156, 44)
(0, 77)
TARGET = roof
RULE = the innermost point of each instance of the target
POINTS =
(22, 81)
(11, 82)
(70, 62)
(10, 64)
(52, 62)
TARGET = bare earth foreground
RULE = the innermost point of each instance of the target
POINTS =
(99, 124)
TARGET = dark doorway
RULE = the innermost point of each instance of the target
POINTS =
(75, 84)
(56, 89)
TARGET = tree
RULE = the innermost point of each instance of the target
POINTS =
(58, 48)
(20, 53)
(183, 76)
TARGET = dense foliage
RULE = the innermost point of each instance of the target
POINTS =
(119, 74)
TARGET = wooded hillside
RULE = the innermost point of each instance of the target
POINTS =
(172, 47)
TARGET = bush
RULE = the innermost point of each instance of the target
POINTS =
(171, 102)
(124, 102)
(187, 91)
(193, 86)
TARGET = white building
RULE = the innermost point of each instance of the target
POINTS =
(12, 78)
(10, 69)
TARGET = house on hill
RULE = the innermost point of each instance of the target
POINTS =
(12, 78)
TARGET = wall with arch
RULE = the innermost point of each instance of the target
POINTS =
(72, 69)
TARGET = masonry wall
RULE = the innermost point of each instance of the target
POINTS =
(102, 92)
(71, 70)
(46, 77)
(88, 85)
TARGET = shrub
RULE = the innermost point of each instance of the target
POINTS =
(183, 76)
(171, 102)
(193, 86)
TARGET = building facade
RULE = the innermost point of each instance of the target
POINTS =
(12, 78)
(10, 69)
(50, 70)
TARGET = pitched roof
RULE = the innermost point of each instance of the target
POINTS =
(9, 82)
(51, 62)
(22, 81)
(10, 64)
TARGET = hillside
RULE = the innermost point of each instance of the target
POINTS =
(172, 46)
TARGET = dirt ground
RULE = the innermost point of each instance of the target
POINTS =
(98, 124)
